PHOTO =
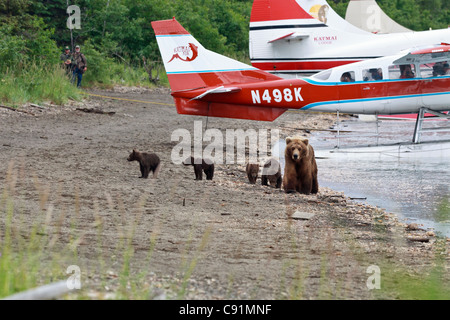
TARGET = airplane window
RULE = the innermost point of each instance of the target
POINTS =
(428, 70)
(404, 71)
(394, 72)
(348, 76)
(407, 71)
(372, 74)
(440, 69)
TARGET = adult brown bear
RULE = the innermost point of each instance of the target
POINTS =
(300, 171)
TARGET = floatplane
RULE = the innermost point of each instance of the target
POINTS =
(205, 83)
(307, 36)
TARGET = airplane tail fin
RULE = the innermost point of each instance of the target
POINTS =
(290, 35)
(190, 66)
(367, 15)
(274, 10)
(305, 14)
(195, 73)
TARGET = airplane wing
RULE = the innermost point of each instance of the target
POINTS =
(290, 36)
(429, 54)
(220, 89)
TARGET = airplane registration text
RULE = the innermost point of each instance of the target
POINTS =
(287, 95)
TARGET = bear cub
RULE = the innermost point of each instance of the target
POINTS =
(147, 162)
(271, 174)
(204, 164)
(252, 172)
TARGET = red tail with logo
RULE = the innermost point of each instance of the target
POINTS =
(195, 74)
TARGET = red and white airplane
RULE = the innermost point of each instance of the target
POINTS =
(307, 36)
(205, 83)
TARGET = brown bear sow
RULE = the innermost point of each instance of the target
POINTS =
(271, 174)
(300, 171)
(204, 164)
(147, 162)
(252, 172)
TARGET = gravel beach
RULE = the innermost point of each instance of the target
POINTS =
(221, 239)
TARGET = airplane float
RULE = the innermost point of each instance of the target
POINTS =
(308, 36)
(205, 83)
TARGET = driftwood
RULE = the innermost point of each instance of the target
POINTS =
(37, 106)
(418, 238)
(17, 110)
(95, 110)
(47, 292)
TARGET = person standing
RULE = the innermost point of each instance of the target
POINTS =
(66, 61)
(79, 65)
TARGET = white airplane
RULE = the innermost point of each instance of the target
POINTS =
(307, 36)
(368, 16)
(205, 83)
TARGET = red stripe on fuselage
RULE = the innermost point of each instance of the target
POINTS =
(300, 65)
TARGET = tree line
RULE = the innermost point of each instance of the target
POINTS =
(119, 31)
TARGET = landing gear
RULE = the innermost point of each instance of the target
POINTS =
(421, 116)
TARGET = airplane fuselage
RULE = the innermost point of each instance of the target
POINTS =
(364, 97)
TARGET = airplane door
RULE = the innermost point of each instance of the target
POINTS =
(403, 88)
(374, 92)
(433, 81)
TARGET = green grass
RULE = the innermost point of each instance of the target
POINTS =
(36, 84)
(112, 74)
(28, 257)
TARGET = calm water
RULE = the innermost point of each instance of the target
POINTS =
(408, 180)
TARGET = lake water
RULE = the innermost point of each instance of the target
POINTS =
(409, 180)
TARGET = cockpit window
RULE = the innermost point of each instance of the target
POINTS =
(435, 69)
(348, 76)
(373, 74)
(403, 71)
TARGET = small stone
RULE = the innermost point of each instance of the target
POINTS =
(412, 226)
(431, 234)
(299, 215)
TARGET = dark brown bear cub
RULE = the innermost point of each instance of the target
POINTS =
(271, 174)
(201, 164)
(252, 172)
(147, 162)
